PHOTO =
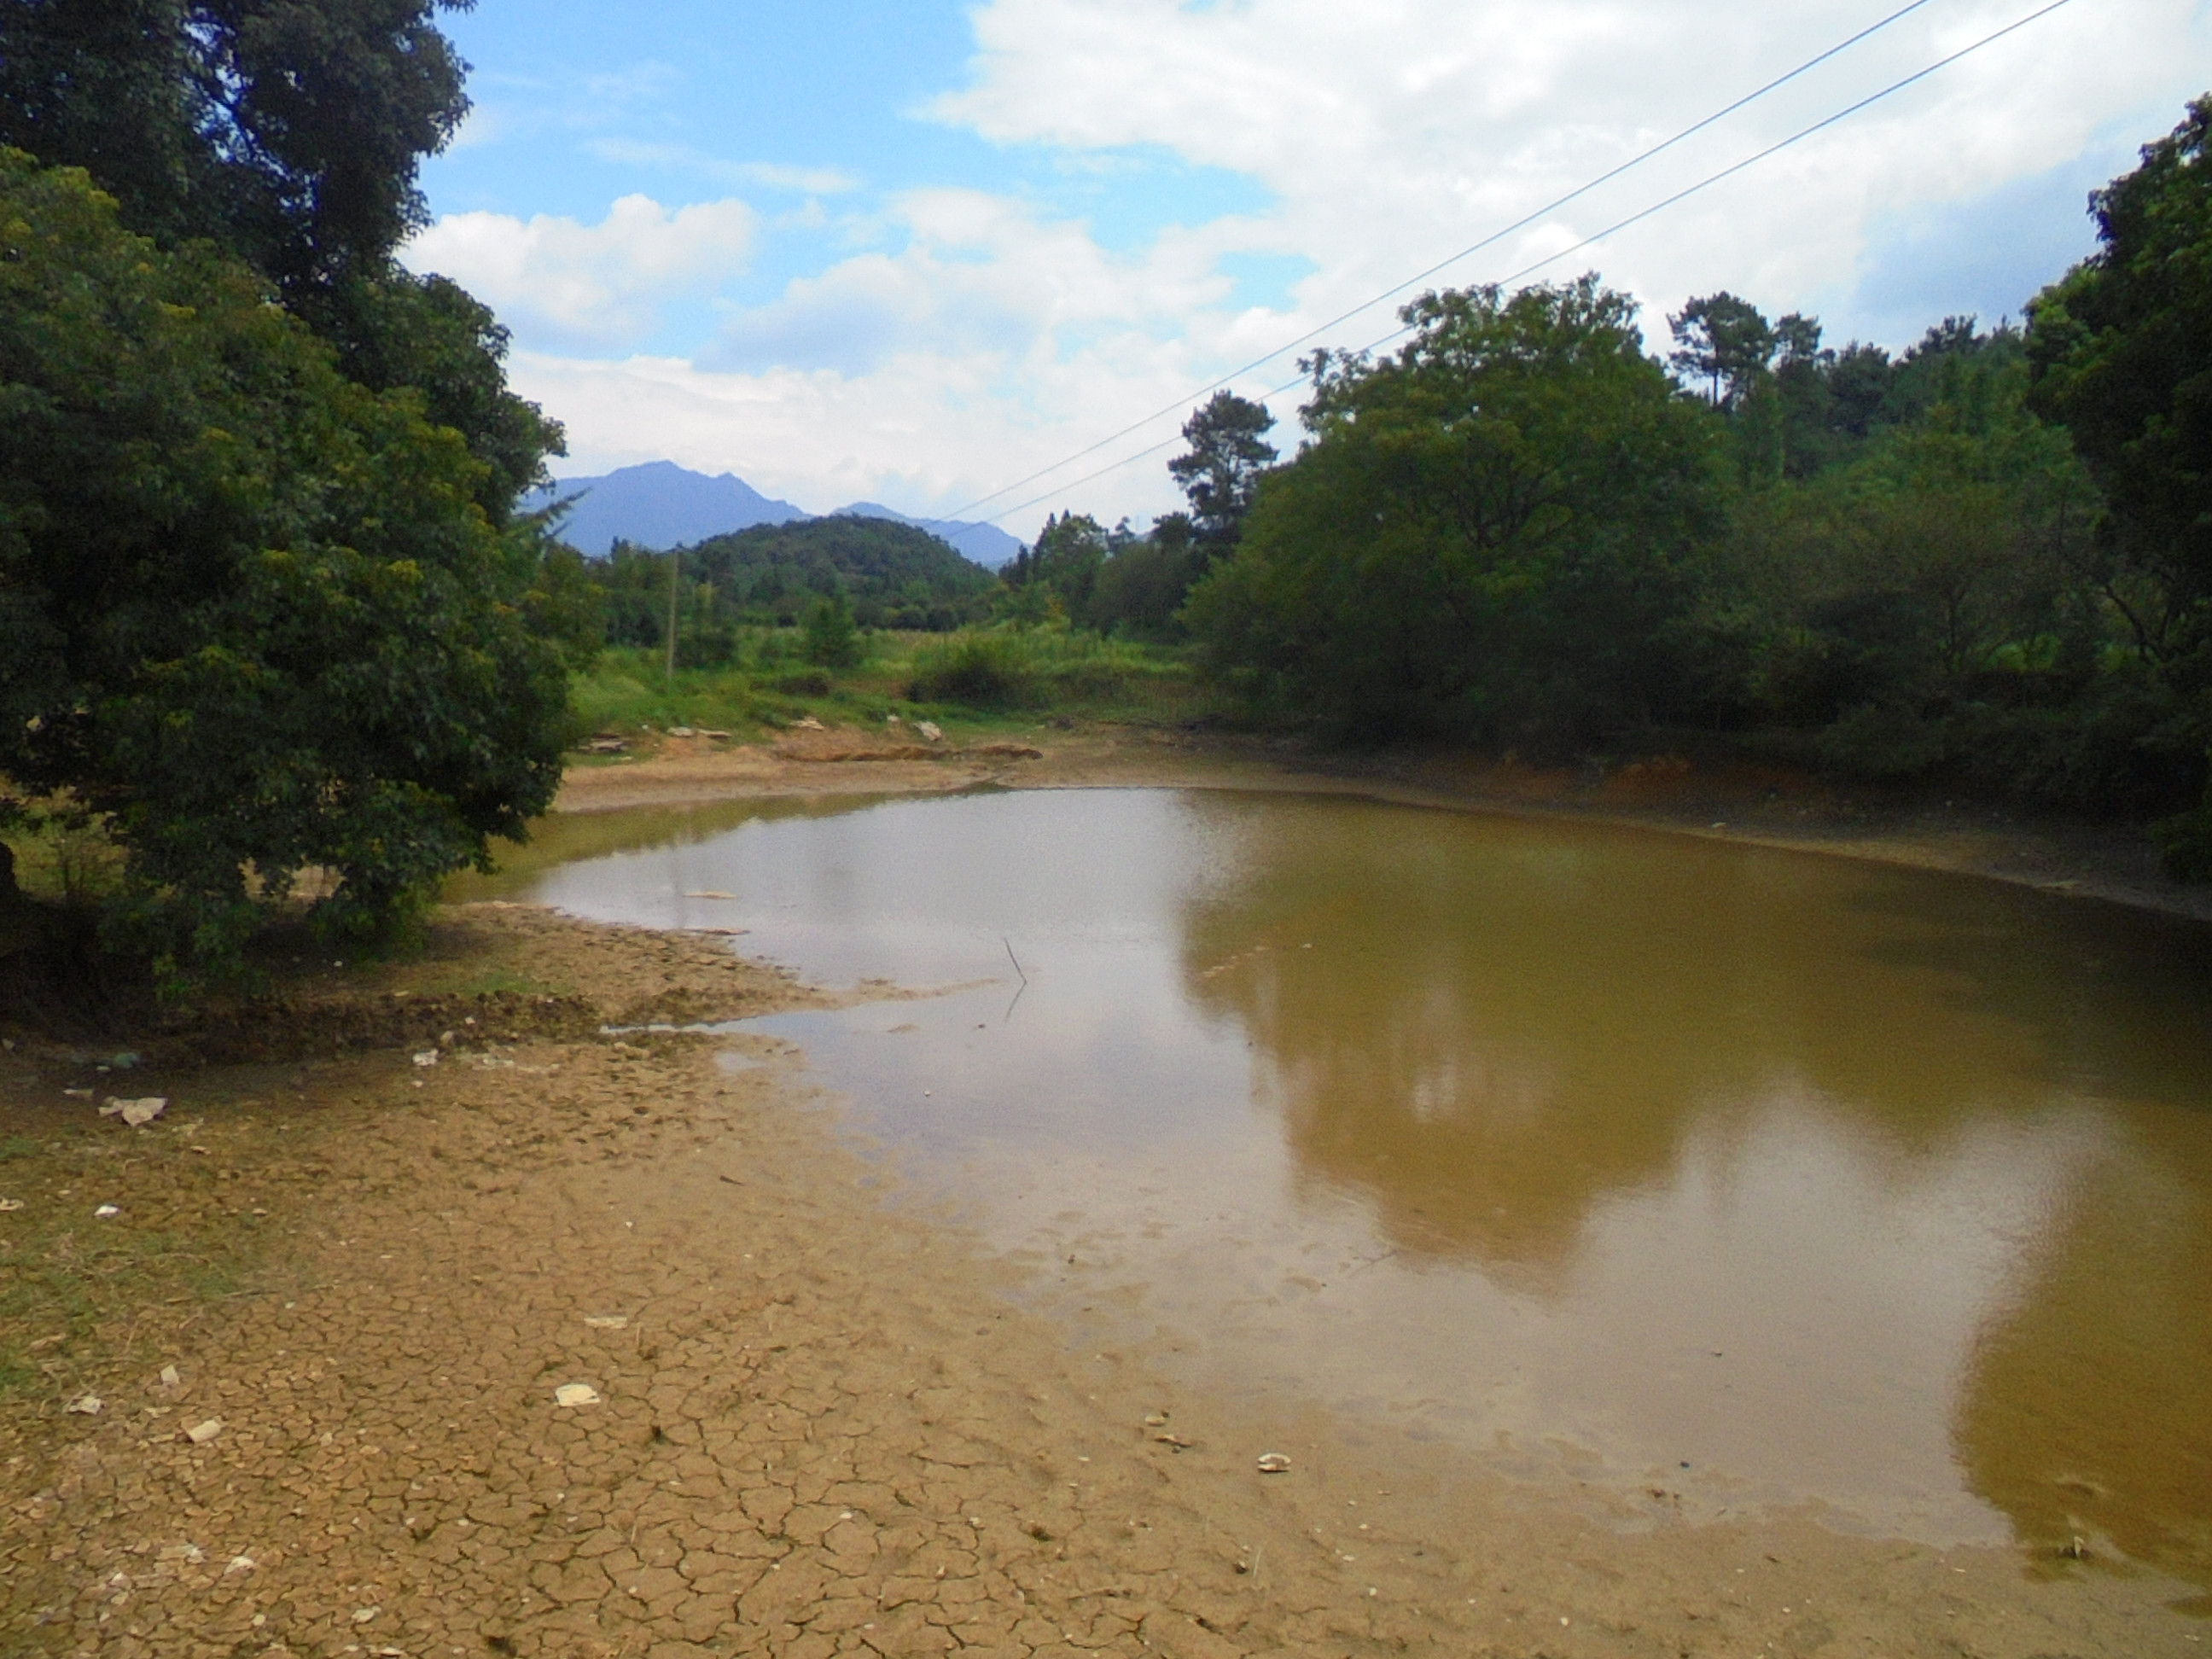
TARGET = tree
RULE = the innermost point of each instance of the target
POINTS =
(1488, 535)
(1228, 452)
(1725, 342)
(832, 640)
(251, 612)
(1144, 581)
(2121, 349)
(287, 132)
(1064, 565)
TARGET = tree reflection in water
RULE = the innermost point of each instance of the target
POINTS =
(1837, 1181)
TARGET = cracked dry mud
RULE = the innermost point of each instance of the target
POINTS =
(824, 1426)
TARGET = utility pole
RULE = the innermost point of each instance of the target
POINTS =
(675, 558)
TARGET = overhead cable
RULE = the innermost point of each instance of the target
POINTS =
(1521, 223)
(1636, 218)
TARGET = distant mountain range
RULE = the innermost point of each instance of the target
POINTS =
(661, 505)
(986, 544)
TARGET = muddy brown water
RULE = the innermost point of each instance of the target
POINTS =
(1718, 1177)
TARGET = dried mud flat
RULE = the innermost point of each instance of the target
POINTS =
(822, 1426)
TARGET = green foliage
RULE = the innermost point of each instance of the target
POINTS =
(1487, 536)
(1143, 582)
(283, 131)
(982, 669)
(1039, 668)
(890, 575)
(2121, 354)
(287, 133)
(251, 613)
(1728, 344)
(831, 639)
(627, 692)
(1060, 575)
(1228, 453)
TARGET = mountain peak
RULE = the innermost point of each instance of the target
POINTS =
(657, 505)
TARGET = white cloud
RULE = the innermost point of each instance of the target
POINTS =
(769, 175)
(1398, 129)
(595, 286)
(925, 434)
(950, 339)
(985, 278)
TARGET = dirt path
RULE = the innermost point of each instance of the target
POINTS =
(821, 1427)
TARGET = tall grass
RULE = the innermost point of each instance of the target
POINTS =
(1045, 669)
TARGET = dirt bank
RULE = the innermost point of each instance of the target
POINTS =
(1729, 800)
(821, 1426)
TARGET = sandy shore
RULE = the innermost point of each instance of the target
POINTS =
(822, 1426)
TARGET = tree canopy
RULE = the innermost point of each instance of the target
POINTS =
(249, 610)
(2121, 354)
(1484, 533)
(1220, 471)
(287, 133)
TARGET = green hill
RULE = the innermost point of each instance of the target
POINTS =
(895, 576)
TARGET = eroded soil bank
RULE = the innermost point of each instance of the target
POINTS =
(823, 1425)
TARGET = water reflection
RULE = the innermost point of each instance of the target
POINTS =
(1585, 1147)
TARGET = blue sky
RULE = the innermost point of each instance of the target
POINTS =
(915, 252)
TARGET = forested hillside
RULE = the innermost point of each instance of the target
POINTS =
(889, 575)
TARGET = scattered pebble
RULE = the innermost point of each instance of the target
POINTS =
(106, 1211)
(200, 1433)
(1274, 1463)
(137, 1113)
(575, 1394)
(9, 1206)
(85, 1405)
(427, 1057)
(172, 1377)
(362, 1615)
(931, 732)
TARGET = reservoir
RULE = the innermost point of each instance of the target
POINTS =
(1715, 1177)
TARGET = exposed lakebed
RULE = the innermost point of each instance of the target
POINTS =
(1720, 1175)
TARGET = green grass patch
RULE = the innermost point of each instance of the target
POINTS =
(80, 1301)
(978, 679)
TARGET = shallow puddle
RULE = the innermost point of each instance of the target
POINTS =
(1724, 1176)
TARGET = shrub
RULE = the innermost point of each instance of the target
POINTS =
(984, 670)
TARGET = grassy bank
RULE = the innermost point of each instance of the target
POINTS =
(975, 681)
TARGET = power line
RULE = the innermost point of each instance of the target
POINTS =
(1521, 223)
(1636, 218)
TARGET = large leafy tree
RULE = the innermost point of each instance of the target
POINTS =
(2122, 353)
(1488, 534)
(287, 132)
(251, 613)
